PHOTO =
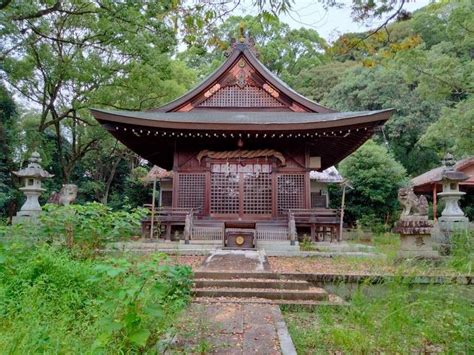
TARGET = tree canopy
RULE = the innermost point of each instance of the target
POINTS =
(375, 177)
(63, 57)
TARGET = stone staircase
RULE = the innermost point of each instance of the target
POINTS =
(254, 287)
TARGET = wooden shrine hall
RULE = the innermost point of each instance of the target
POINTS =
(241, 146)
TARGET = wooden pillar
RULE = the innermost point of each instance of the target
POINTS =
(168, 231)
(435, 203)
(343, 205)
(153, 208)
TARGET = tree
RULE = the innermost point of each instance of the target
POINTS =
(382, 87)
(61, 57)
(316, 82)
(8, 116)
(376, 177)
(283, 50)
(453, 132)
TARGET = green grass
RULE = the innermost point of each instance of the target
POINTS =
(52, 302)
(400, 320)
(460, 262)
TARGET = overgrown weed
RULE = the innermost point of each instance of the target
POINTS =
(401, 319)
(61, 298)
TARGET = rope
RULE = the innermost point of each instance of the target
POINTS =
(246, 154)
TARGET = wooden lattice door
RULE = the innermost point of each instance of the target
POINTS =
(290, 192)
(224, 191)
(191, 190)
(243, 190)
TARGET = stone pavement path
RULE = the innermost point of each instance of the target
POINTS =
(232, 328)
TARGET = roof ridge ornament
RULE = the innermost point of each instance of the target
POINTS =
(244, 42)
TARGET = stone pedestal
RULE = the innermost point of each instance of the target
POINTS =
(415, 238)
(445, 228)
(31, 207)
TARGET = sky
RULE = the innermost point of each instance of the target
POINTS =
(329, 23)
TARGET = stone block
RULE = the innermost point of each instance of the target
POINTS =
(416, 246)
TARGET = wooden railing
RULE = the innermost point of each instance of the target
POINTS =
(323, 222)
(207, 233)
(171, 216)
(269, 234)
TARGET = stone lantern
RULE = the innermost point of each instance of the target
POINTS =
(31, 177)
(452, 218)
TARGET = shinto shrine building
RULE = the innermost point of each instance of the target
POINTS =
(241, 146)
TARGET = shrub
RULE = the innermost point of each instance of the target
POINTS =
(376, 177)
(306, 244)
(85, 228)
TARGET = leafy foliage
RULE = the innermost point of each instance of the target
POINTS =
(69, 56)
(454, 131)
(82, 228)
(375, 176)
(50, 302)
(72, 55)
(7, 128)
(283, 50)
(378, 88)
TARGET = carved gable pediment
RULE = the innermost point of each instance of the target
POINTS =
(241, 87)
(242, 83)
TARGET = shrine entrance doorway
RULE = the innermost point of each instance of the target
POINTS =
(242, 191)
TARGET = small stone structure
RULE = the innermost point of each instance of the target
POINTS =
(293, 235)
(452, 218)
(414, 227)
(65, 196)
(31, 176)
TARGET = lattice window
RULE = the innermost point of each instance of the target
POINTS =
(318, 200)
(191, 190)
(258, 193)
(234, 96)
(225, 192)
(166, 198)
(290, 192)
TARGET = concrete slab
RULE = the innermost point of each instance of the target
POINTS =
(236, 260)
(227, 318)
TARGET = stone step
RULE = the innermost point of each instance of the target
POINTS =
(312, 294)
(252, 283)
(227, 275)
(309, 305)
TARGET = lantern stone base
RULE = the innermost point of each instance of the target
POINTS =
(445, 228)
(24, 219)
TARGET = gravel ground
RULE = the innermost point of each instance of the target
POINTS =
(194, 261)
(346, 266)
(324, 265)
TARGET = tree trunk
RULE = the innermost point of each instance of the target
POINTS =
(105, 198)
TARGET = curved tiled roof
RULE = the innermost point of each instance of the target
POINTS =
(435, 175)
(242, 49)
(198, 119)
